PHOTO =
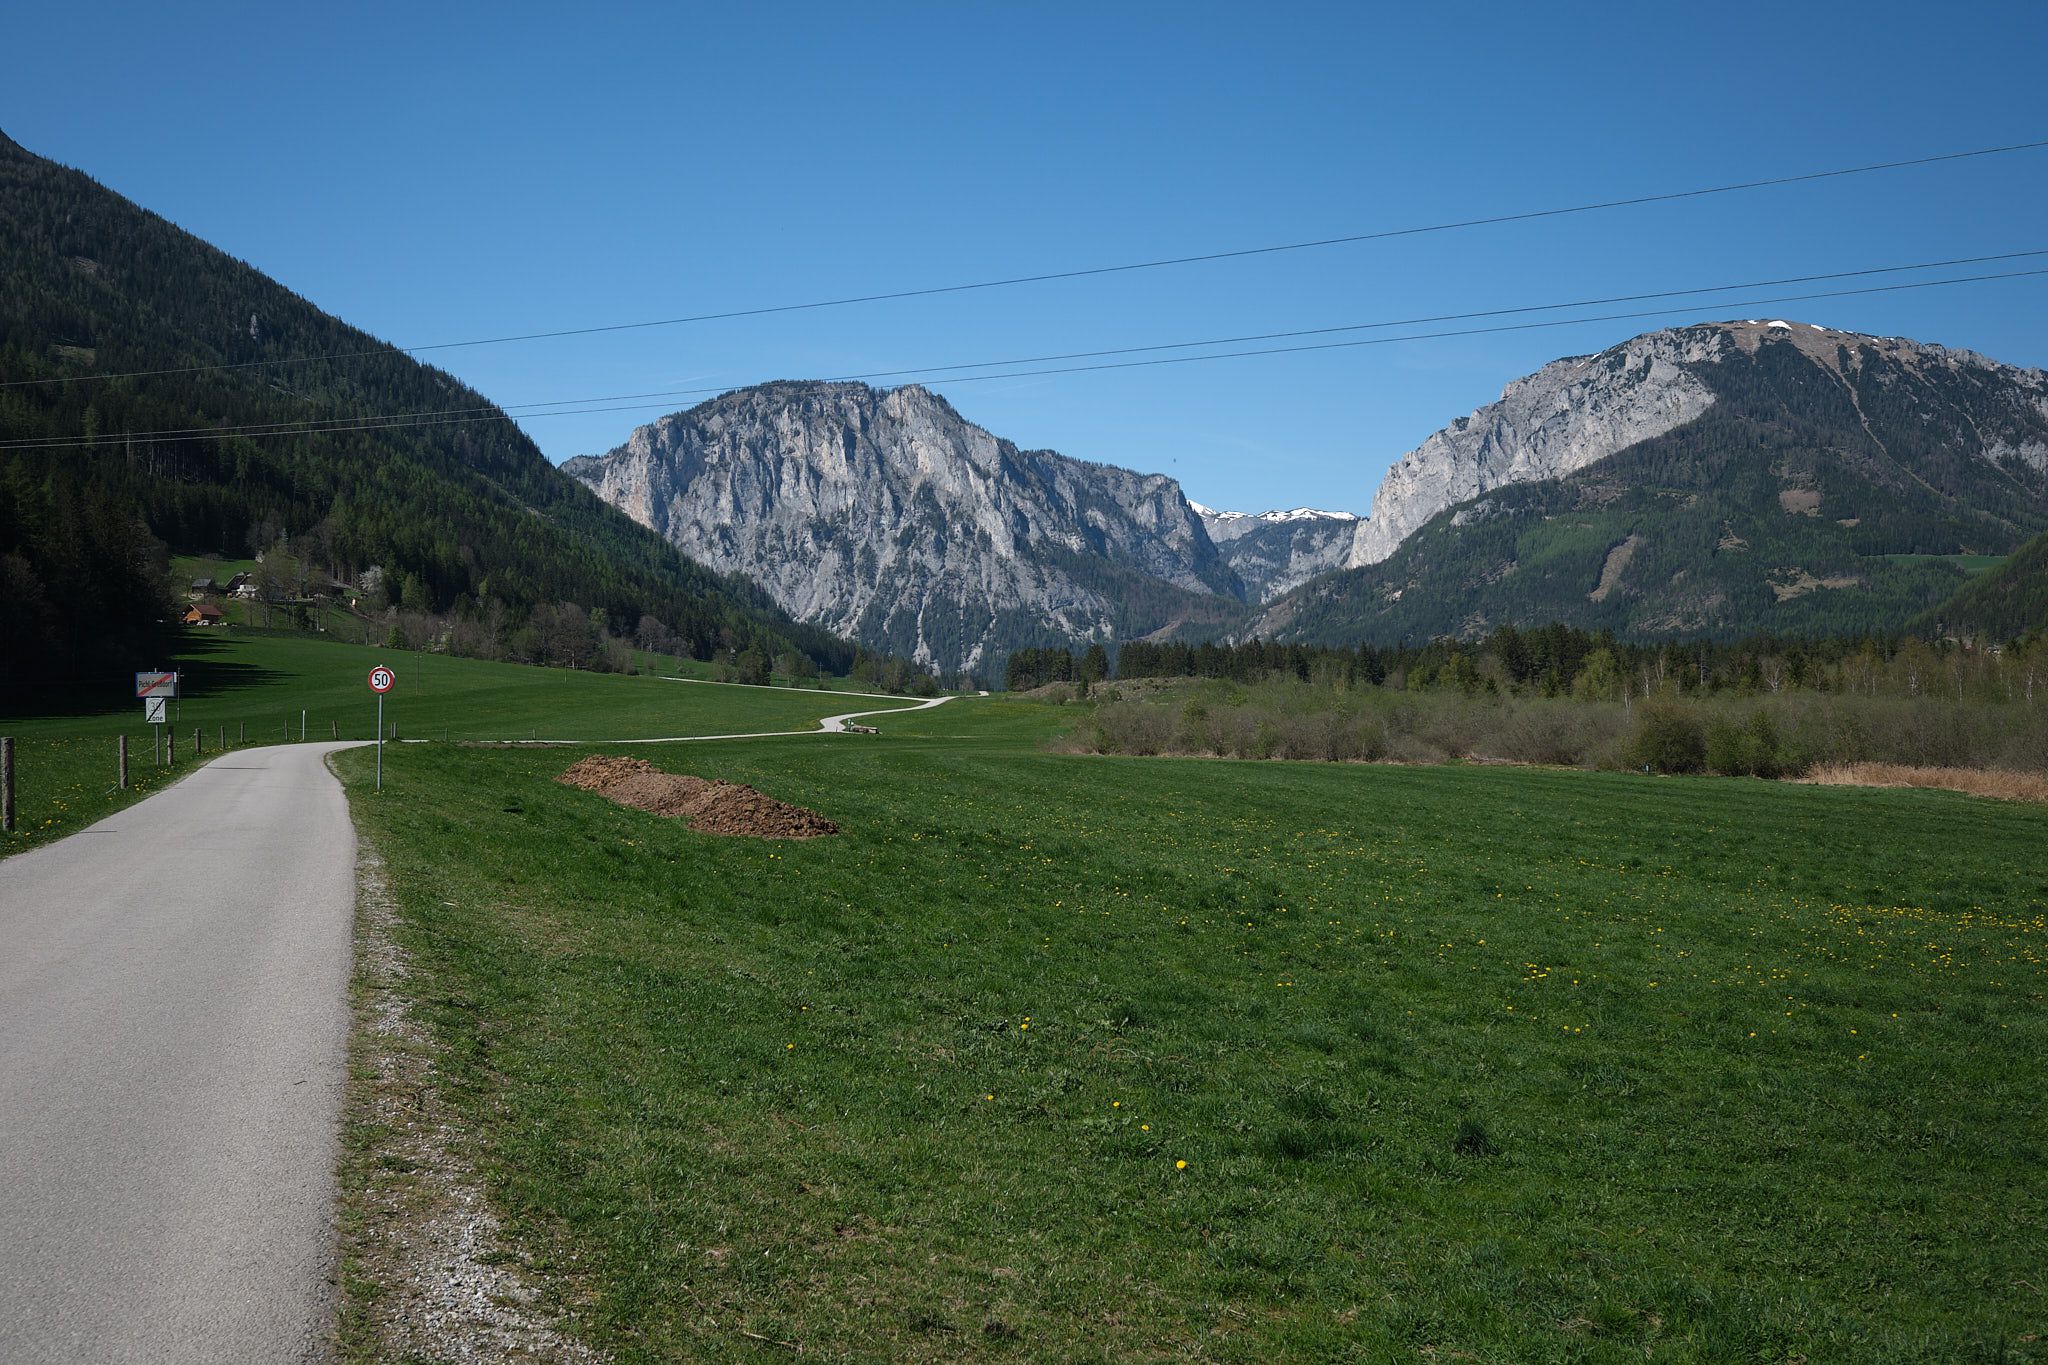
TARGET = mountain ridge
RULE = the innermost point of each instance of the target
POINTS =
(1720, 478)
(886, 515)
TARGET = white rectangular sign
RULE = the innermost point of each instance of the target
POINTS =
(156, 684)
(153, 710)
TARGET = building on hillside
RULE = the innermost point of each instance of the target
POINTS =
(204, 614)
(204, 585)
(236, 583)
(246, 589)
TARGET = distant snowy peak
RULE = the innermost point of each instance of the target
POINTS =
(1295, 514)
(1275, 551)
(1308, 514)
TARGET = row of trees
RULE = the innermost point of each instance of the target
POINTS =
(569, 635)
(1558, 660)
(1760, 736)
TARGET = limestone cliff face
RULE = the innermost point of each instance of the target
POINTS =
(1569, 414)
(1575, 412)
(1729, 478)
(887, 517)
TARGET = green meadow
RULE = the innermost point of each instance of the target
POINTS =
(261, 688)
(1066, 1058)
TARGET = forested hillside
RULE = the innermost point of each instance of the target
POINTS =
(1842, 495)
(2004, 603)
(464, 518)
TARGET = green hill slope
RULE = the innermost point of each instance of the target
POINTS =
(2002, 604)
(457, 514)
(1812, 498)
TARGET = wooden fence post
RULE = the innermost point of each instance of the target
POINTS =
(198, 741)
(7, 784)
(124, 762)
(171, 745)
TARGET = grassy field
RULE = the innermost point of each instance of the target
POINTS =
(1969, 564)
(1080, 1058)
(254, 688)
(185, 568)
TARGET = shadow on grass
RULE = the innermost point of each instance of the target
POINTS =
(203, 673)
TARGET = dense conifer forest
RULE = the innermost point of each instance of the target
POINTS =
(460, 520)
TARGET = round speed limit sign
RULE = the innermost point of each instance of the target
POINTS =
(381, 679)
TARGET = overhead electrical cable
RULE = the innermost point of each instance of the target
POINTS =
(503, 412)
(1187, 345)
(1240, 253)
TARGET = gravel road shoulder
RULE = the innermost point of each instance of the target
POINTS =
(426, 1272)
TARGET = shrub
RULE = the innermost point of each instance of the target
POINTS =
(1725, 748)
(1667, 738)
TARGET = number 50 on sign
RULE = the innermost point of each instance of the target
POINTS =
(381, 679)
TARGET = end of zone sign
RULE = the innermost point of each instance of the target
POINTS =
(156, 684)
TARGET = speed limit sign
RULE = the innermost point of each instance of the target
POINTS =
(381, 679)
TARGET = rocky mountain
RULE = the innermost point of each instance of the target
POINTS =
(1569, 414)
(1721, 478)
(885, 516)
(1273, 552)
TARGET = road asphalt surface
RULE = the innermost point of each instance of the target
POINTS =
(173, 1036)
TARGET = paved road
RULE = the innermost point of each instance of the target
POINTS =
(173, 1028)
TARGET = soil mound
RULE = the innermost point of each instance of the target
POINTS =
(710, 807)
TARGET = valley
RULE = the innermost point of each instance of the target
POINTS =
(702, 817)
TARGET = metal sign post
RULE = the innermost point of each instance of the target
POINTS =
(381, 679)
(153, 688)
(153, 714)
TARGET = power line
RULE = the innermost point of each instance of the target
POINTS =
(1046, 277)
(494, 412)
(496, 408)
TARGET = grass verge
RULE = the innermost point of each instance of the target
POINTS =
(425, 1272)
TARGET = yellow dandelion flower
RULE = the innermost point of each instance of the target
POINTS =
(1180, 1165)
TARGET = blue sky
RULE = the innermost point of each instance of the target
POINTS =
(437, 173)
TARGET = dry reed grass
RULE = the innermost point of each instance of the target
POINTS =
(1995, 782)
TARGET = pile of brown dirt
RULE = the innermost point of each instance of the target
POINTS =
(710, 807)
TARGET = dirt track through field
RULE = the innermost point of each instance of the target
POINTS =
(830, 725)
